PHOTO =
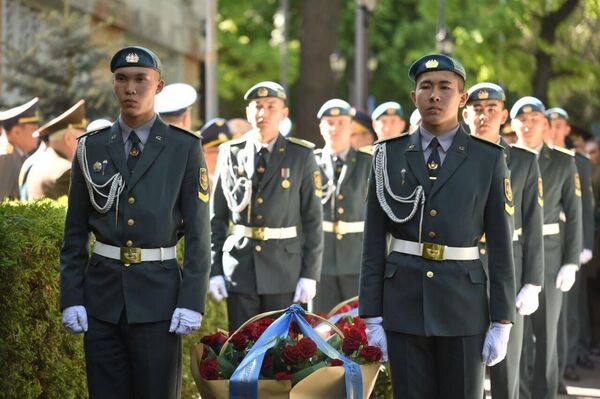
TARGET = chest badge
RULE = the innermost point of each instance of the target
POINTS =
(285, 175)
(97, 167)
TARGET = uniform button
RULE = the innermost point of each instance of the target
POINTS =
(130, 222)
(482, 251)
(258, 248)
(259, 200)
(339, 236)
(433, 212)
(429, 274)
(259, 217)
(129, 243)
(432, 234)
(340, 197)
(131, 200)
(340, 210)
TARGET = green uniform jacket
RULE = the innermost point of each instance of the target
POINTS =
(526, 186)
(288, 195)
(470, 197)
(10, 165)
(342, 253)
(560, 181)
(584, 168)
(165, 193)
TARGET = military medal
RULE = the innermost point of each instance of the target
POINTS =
(97, 167)
(285, 175)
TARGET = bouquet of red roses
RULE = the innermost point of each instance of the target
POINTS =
(294, 361)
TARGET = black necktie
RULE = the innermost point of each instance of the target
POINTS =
(261, 164)
(434, 163)
(134, 151)
(338, 165)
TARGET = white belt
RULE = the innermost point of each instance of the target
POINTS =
(130, 255)
(517, 233)
(265, 233)
(434, 251)
(341, 227)
(551, 229)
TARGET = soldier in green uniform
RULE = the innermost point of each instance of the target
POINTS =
(560, 181)
(50, 173)
(485, 114)
(345, 174)
(19, 124)
(388, 120)
(134, 185)
(423, 290)
(266, 217)
(574, 308)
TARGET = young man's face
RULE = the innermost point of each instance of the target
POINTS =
(593, 150)
(531, 128)
(560, 129)
(136, 87)
(336, 131)
(265, 115)
(389, 126)
(485, 118)
(438, 96)
(22, 136)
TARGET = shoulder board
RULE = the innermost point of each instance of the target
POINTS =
(368, 149)
(392, 138)
(564, 150)
(486, 141)
(318, 151)
(519, 147)
(91, 132)
(303, 143)
(184, 131)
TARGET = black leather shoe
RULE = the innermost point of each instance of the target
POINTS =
(571, 373)
(585, 362)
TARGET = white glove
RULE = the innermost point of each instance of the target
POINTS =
(496, 343)
(306, 289)
(376, 335)
(75, 319)
(566, 277)
(585, 256)
(217, 288)
(185, 321)
(527, 299)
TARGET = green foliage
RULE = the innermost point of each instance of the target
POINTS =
(59, 68)
(39, 358)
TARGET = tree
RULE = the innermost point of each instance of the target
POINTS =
(59, 68)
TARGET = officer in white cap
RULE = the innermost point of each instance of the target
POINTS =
(174, 104)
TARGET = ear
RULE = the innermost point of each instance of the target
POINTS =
(504, 116)
(568, 129)
(465, 115)
(464, 96)
(286, 111)
(413, 97)
(160, 87)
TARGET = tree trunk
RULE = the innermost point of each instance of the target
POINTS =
(549, 24)
(319, 22)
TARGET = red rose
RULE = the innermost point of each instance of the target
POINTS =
(267, 321)
(307, 348)
(239, 342)
(371, 354)
(283, 375)
(336, 362)
(268, 360)
(291, 355)
(258, 331)
(345, 308)
(357, 334)
(349, 346)
(215, 340)
(360, 323)
(204, 351)
(209, 369)
(354, 304)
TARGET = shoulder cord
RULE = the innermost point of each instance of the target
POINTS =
(228, 177)
(116, 183)
(381, 181)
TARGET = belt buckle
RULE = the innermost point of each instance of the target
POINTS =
(131, 255)
(258, 233)
(432, 251)
(337, 228)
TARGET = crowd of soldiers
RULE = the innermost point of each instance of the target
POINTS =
(472, 235)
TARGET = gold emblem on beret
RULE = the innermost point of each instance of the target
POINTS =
(391, 111)
(219, 123)
(432, 63)
(222, 137)
(263, 92)
(483, 95)
(527, 109)
(334, 111)
(554, 115)
(132, 58)
(508, 190)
